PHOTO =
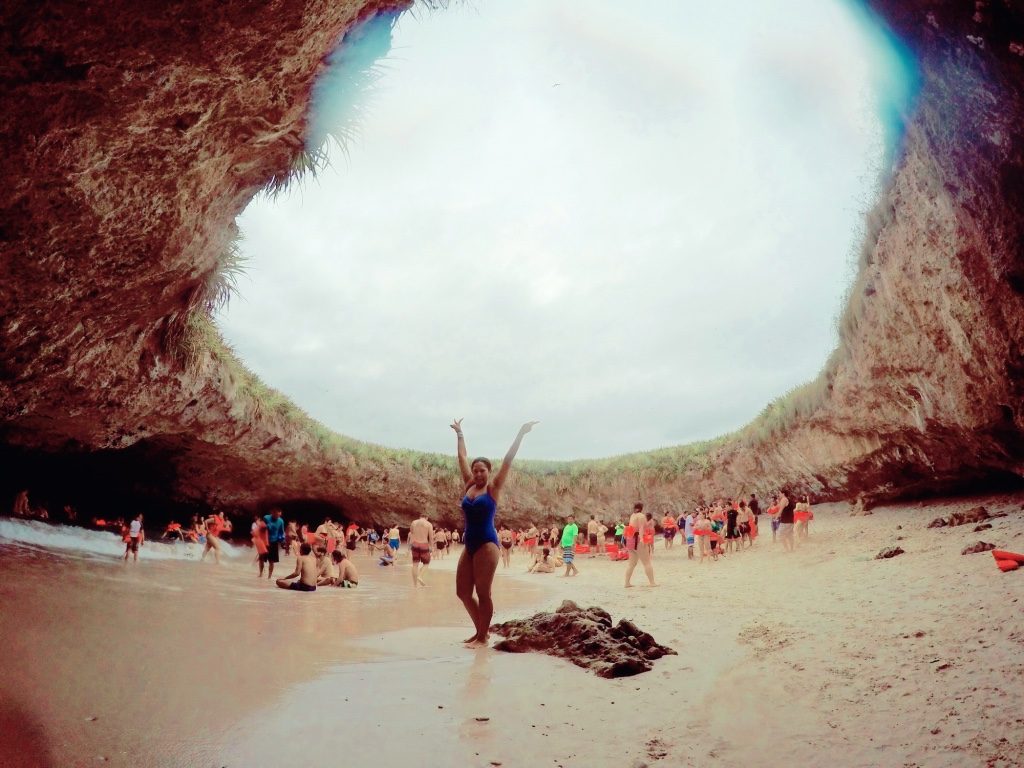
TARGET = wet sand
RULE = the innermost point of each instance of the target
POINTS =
(821, 656)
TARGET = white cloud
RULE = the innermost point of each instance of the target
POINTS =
(641, 255)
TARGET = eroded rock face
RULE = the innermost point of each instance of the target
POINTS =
(585, 637)
(131, 140)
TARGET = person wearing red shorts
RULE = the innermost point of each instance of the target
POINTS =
(421, 541)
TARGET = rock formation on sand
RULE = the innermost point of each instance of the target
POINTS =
(888, 552)
(975, 515)
(585, 637)
(131, 141)
(981, 546)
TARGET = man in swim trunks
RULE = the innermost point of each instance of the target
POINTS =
(134, 540)
(688, 533)
(569, 534)
(593, 526)
(275, 538)
(421, 541)
(306, 569)
(347, 575)
(394, 538)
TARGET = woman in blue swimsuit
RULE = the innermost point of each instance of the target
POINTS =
(479, 558)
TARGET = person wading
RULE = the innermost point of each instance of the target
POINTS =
(479, 558)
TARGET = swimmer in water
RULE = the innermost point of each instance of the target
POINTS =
(479, 559)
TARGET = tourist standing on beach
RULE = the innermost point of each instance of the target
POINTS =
(787, 510)
(135, 537)
(802, 517)
(569, 534)
(479, 559)
(637, 550)
(260, 542)
(669, 528)
(275, 538)
(506, 539)
(421, 542)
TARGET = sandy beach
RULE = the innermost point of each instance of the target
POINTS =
(825, 655)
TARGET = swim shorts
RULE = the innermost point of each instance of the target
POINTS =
(298, 586)
(568, 554)
(593, 539)
(394, 544)
(689, 541)
(274, 552)
(133, 543)
(421, 554)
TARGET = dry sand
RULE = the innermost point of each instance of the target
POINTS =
(822, 656)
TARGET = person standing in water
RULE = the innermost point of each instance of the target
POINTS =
(214, 525)
(134, 540)
(421, 542)
(479, 558)
(276, 539)
(638, 551)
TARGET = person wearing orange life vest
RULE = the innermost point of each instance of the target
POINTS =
(214, 525)
(669, 529)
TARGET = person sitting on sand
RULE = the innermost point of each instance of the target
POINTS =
(542, 562)
(347, 575)
(387, 554)
(421, 544)
(306, 570)
(479, 559)
(325, 570)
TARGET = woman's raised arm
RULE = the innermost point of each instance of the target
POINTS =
(506, 463)
(463, 459)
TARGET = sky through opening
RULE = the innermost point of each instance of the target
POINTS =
(637, 228)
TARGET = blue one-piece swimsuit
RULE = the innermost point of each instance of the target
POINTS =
(479, 514)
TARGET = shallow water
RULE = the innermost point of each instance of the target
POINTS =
(152, 663)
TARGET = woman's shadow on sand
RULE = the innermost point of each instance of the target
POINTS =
(23, 741)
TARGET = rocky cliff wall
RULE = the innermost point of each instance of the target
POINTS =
(132, 137)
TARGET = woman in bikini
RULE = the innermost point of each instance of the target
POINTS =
(479, 559)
